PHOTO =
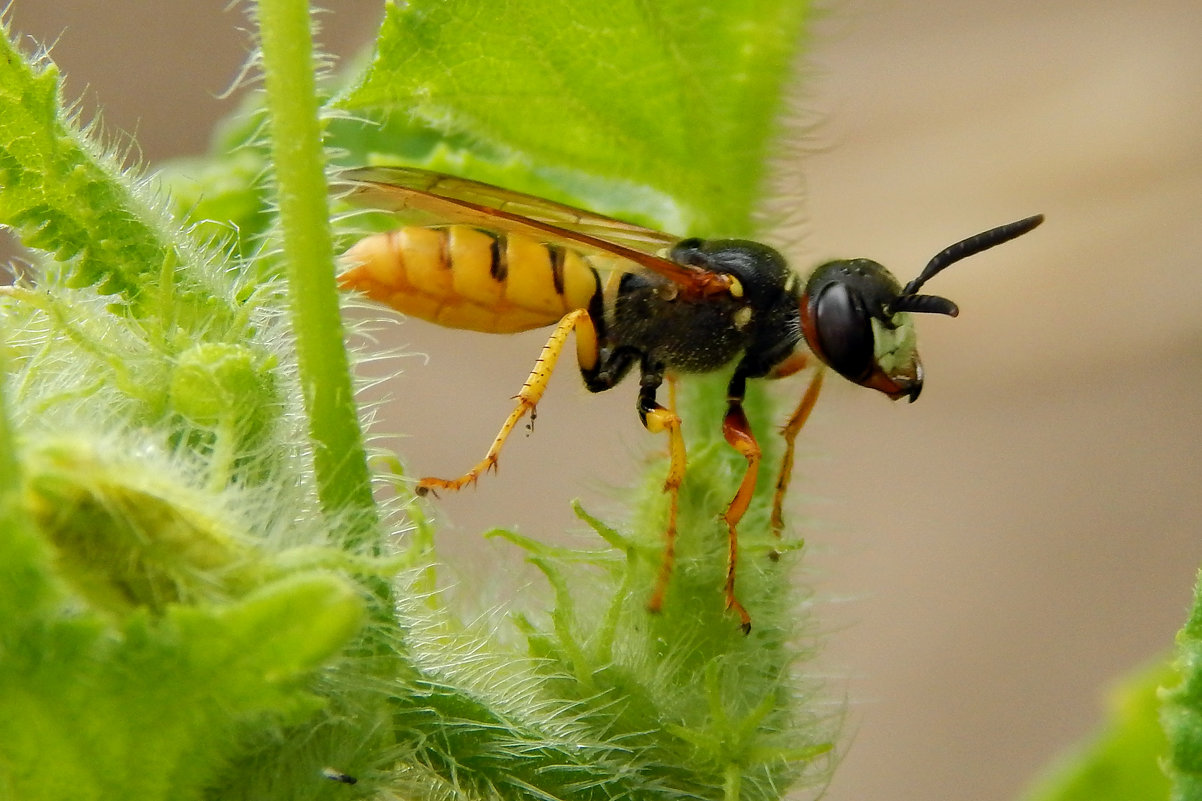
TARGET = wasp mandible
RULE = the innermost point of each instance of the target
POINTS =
(501, 261)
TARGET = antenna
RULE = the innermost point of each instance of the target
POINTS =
(910, 300)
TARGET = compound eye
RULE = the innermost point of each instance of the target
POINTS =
(844, 332)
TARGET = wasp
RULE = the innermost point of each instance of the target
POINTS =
(500, 261)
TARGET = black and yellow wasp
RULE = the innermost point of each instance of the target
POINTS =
(501, 261)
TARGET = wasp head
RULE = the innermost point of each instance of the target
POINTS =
(849, 323)
(857, 318)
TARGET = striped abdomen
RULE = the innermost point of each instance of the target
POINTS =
(464, 277)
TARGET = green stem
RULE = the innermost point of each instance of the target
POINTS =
(732, 789)
(10, 476)
(340, 461)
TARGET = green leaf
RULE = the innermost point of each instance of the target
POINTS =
(59, 190)
(153, 709)
(667, 107)
(1182, 716)
(1123, 761)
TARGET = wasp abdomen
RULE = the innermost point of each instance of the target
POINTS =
(464, 277)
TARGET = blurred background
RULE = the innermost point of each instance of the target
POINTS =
(988, 559)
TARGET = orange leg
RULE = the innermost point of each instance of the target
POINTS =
(789, 432)
(528, 398)
(737, 431)
(657, 419)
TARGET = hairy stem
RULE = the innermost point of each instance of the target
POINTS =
(340, 461)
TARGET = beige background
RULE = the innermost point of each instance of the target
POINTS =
(991, 556)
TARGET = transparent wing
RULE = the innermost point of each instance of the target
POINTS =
(408, 191)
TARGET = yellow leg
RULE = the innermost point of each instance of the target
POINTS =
(737, 431)
(789, 432)
(656, 420)
(527, 399)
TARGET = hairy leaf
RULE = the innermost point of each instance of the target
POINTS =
(666, 107)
